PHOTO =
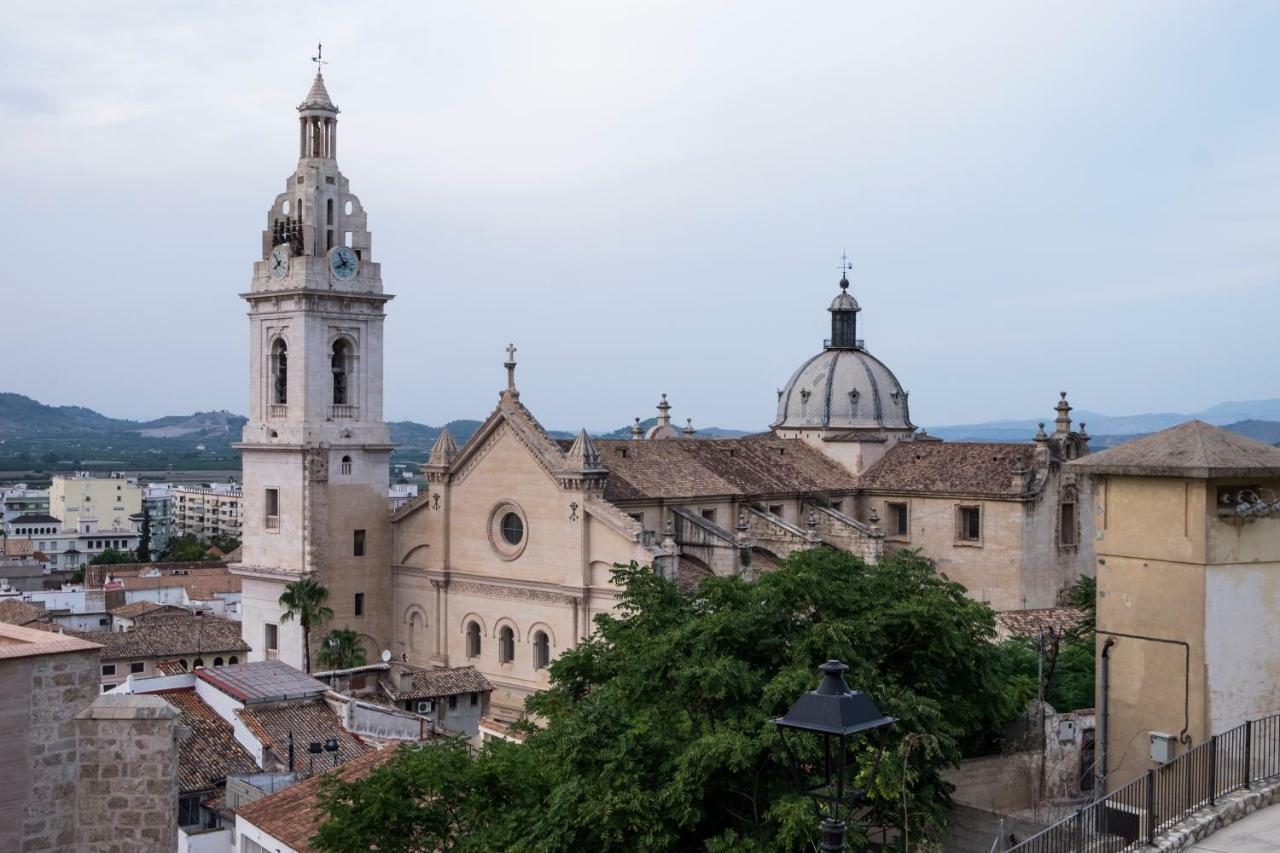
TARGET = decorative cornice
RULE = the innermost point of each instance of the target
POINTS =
(495, 591)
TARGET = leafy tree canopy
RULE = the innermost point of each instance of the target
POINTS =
(341, 649)
(657, 731)
(185, 549)
(111, 557)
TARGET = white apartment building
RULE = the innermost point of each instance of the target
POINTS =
(109, 500)
(19, 499)
(70, 549)
(207, 510)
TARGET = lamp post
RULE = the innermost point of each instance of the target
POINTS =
(835, 713)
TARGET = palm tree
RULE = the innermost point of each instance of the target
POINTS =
(342, 649)
(304, 600)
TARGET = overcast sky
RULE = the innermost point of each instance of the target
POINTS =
(653, 197)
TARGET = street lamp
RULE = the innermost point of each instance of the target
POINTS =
(836, 714)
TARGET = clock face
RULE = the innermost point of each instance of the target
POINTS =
(343, 261)
(278, 263)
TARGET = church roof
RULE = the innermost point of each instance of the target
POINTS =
(317, 97)
(582, 454)
(692, 468)
(843, 389)
(968, 468)
(1192, 449)
(444, 450)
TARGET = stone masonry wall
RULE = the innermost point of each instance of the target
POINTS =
(127, 797)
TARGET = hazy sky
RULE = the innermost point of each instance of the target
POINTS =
(652, 197)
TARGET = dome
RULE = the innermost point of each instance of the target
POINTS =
(843, 389)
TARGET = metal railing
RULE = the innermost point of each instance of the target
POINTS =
(1147, 807)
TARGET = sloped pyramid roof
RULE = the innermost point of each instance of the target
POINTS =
(318, 97)
(1193, 449)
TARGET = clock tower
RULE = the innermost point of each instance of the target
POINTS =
(316, 450)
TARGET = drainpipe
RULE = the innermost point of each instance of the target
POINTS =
(1100, 776)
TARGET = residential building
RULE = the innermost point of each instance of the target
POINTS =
(193, 641)
(126, 617)
(206, 511)
(453, 699)
(70, 548)
(71, 757)
(109, 500)
(157, 504)
(399, 494)
(19, 499)
(1188, 553)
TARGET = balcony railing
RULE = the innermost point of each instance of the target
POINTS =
(338, 412)
(273, 522)
(278, 410)
(273, 654)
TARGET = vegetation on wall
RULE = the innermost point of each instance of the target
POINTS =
(1064, 660)
(657, 731)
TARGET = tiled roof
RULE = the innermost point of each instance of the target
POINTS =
(291, 815)
(963, 468)
(683, 468)
(262, 681)
(200, 635)
(143, 608)
(211, 751)
(16, 612)
(691, 572)
(310, 721)
(95, 575)
(1032, 623)
(200, 586)
(1193, 449)
(36, 518)
(20, 642)
(430, 683)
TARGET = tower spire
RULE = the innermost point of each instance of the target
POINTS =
(844, 312)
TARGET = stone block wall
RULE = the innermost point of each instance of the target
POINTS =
(127, 797)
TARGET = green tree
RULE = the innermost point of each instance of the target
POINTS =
(111, 557)
(1064, 659)
(304, 601)
(656, 732)
(224, 542)
(185, 549)
(143, 553)
(341, 649)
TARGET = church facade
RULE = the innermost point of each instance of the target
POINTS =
(505, 557)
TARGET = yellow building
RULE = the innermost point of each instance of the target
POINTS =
(109, 500)
(1188, 554)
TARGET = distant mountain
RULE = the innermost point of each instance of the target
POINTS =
(1222, 414)
(707, 432)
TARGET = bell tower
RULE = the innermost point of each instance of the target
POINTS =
(316, 450)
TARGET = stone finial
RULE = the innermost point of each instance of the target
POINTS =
(1040, 433)
(664, 412)
(444, 451)
(688, 427)
(582, 455)
(1062, 423)
(1084, 436)
(637, 431)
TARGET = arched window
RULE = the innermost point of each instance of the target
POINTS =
(198, 662)
(233, 660)
(217, 661)
(280, 372)
(341, 364)
(183, 662)
(346, 464)
(506, 645)
(541, 650)
(416, 624)
(473, 639)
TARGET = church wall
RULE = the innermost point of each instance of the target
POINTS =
(281, 547)
(1050, 567)
(359, 505)
(259, 605)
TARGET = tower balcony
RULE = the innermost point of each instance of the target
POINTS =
(339, 412)
(278, 410)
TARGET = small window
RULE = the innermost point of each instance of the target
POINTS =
(1067, 524)
(899, 524)
(233, 660)
(638, 516)
(108, 669)
(506, 645)
(475, 699)
(359, 603)
(346, 465)
(473, 639)
(541, 650)
(358, 544)
(512, 529)
(271, 506)
(775, 509)
(270, 637)
(838, 506)
(969, 524)
(137, 667)
(710, 515)
(217, 661)
(453, 703)
(197, 663)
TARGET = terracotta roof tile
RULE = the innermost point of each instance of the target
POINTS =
(1193, 449)
(17, 612)
(1031, 623)
(430, 683)
(685, 468)
(200, 635)
(291, 816)
(144, 608)
(211, 752)
(309, 720)
(965, 468)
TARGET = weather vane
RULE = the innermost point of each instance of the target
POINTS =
(319, 59)
(845, 266)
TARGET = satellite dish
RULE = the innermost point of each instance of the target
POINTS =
(386, 655)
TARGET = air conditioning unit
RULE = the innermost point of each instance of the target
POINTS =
(426, 706)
